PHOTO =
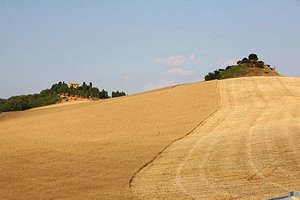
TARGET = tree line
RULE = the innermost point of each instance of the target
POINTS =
(53, 95)
(24, 102)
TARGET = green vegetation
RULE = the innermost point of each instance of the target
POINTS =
(117, 94)
(84, 91)
(53, 95)
(245, 67)
(24, 102)
(252, 56)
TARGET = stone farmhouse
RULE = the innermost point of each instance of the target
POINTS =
(74, 85)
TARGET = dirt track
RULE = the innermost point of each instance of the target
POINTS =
(249, 149)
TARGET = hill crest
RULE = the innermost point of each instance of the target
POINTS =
(246, 67)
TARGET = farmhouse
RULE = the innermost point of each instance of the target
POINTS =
(74, 85)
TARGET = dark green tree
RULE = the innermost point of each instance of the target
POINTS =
(213, 75)
(95, 93)
(253, 56)
(103, 94)
(245, 60)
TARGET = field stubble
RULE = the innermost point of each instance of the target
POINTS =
(247, 150)
(91, 150)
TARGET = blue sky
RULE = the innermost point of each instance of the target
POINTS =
(138, 45)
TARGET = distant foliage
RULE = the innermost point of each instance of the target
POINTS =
(103, 94)
(253, 56)
(213, 75)
(52, 96)
(24, 102)
(117, 94)
(245, 60)
(84, 91)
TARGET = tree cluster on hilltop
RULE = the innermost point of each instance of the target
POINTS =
(242, 67)
(84, 91)
(53, 95)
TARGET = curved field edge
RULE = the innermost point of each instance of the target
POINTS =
(92, 150)
(159, 153)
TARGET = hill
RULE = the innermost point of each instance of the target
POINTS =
(229, 139)
(247, 150)
(92, 150)
(246, 67)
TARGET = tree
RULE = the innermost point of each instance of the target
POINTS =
(95, 93)
(253, 56)
(103, 94)
(85, 90)
(245, 60)
(213, 75)
(84, 87)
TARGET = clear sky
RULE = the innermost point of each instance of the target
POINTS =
(138, 45)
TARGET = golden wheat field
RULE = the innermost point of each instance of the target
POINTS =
(230, 139)
(92, 150)
(249, 148)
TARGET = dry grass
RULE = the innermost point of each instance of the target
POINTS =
(91, 150)
(249, 149)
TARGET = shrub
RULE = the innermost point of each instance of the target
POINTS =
(245, 60)
(228, 67)
(117, 94)
(260, 64)
(253, 56)
(212, 75)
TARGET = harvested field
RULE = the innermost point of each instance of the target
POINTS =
(229, 139)
(249, 149)
(92, 150)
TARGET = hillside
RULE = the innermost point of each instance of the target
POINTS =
(228, 139)
(246, 67)
(92, 150)
(247, 150)
(243, 70)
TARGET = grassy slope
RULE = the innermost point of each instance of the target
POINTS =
(243, 71)
(91, 150)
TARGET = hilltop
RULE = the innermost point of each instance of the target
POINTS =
(246, 67)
